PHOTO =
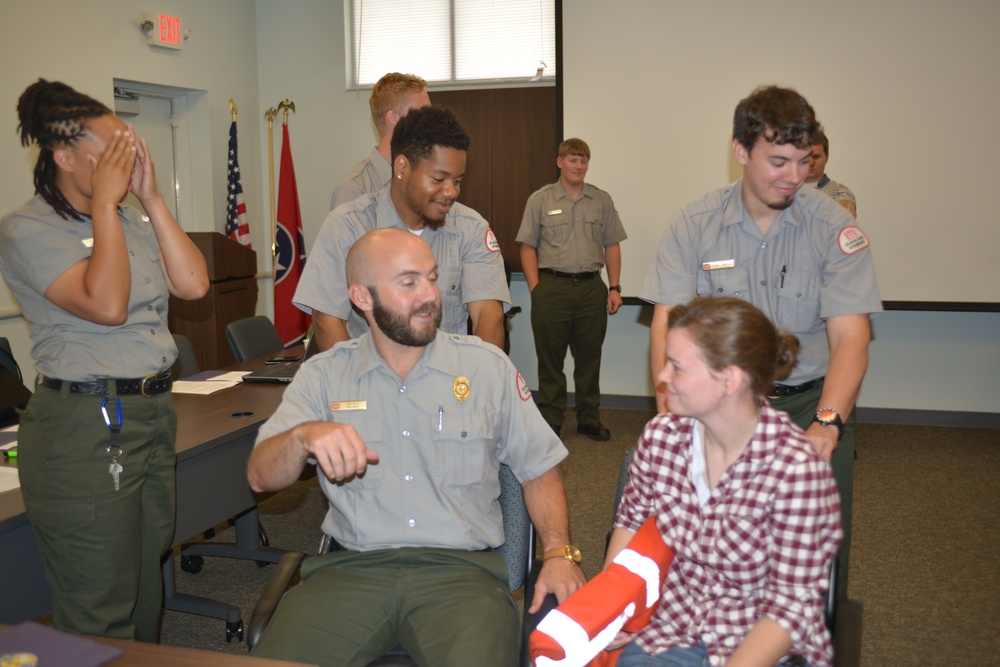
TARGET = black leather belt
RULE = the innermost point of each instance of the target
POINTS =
(148, 386)
(781, 390)
(583, 275)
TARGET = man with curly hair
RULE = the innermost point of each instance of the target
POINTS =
(428, 162)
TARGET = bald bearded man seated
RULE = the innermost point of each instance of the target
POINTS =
(408, 427)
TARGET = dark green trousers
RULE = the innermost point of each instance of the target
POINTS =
(101, 548)
(447, 608)
(802, 408)
(569, 314)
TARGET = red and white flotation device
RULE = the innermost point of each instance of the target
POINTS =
(623, 597)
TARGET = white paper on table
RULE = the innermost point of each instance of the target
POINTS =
(209, 385)
(9, 479)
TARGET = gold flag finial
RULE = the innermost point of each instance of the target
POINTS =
(232, 108)
(285, 106)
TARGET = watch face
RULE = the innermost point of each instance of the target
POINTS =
(826, 415)
(573, 554)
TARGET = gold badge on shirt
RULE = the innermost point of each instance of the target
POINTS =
(461, 388)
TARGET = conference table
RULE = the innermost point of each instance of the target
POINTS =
(215, 434)
(139, 654)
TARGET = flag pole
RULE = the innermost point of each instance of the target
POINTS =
(269, 115)
(284, 106)
(232, 108)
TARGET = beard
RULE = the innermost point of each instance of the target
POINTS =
(782, 204)
(397, 327)
(416, 208)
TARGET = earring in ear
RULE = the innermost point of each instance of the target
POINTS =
(399, 176)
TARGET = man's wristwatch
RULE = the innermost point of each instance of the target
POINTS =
(569, 552)
(615, 288)
(830, 417)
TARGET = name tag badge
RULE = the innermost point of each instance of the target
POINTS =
(348, 405)
(555, 211)
(718, 264)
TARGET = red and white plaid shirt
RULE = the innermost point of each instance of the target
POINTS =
(761, 546)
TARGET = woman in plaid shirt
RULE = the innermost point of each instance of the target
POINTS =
(749, 508)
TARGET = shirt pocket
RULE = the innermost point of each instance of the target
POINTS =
(797, 301)
(741, 546)
(723, 282)
(369, 428)
(556, 229)
(463, 449)
(595, 230)
(453, 315)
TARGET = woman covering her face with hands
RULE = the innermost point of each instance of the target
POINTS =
(749, 508)
(96, 442)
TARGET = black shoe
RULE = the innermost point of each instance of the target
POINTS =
(594, 431)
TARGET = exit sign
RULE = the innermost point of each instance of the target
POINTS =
(166, 31)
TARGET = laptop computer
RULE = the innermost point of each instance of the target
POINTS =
(277, 372)
(281, 371)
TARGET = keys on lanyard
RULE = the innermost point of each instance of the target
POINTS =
(114, 449)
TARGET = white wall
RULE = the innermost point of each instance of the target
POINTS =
(930, 361)
(88, 45)
(301, 55)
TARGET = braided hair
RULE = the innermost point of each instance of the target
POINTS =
(52, 114)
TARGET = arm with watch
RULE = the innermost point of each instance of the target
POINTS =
(613, 263)
(848, 336)
(545, 498)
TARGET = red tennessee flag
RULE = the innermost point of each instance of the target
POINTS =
(290, 252)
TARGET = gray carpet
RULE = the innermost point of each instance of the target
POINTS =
(924, 563)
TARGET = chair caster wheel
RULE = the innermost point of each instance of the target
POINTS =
(192, 564)
(234, 629)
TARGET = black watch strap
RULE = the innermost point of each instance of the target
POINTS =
(830, 417)
(616, 288)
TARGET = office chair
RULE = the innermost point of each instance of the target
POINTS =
(843, 617)
(518, 551)
(253, 337)
(8, 361)
(186, 364)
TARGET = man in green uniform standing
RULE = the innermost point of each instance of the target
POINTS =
(570, 230)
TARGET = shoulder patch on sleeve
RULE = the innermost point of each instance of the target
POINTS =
(522, 387)
(491, 241)
(852, 239)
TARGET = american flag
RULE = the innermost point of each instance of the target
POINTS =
(237, 226)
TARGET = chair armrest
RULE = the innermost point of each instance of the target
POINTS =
(285, 576)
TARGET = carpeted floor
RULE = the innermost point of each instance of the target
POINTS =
(925, 557)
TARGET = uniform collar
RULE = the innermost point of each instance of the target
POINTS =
(382, 167)
(584, 191)
(438, 355)
(387, 216)
(735, 212)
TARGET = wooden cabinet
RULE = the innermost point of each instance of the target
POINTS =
(515, 141)
(232, 295)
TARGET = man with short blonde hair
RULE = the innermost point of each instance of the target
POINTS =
(392, 98)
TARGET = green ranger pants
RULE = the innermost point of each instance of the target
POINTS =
(573, 314)
(446, 608)
(101, 548)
